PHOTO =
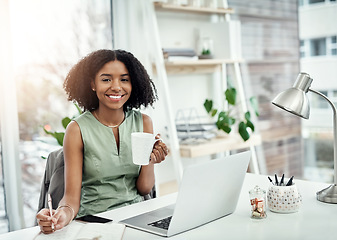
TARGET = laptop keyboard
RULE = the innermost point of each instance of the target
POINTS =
(162, 223)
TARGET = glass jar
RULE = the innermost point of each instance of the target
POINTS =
(258, 203)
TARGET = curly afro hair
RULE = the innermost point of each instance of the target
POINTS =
(78, 88)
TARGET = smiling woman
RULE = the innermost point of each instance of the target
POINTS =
(46, 36)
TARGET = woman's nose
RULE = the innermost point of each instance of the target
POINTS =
(115, 85)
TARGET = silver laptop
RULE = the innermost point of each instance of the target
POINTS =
(208, 191)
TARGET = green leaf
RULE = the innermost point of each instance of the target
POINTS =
(247, 116)
(78, 109)
(208, 104)
(65, 122)
(224, 118)
(223, 126)
(213, 113)
(255, 105)
(222, 115)
(57, 135)
(230, 94)
(250, 125)
(243, 131)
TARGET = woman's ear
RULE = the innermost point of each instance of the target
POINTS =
(92, 84)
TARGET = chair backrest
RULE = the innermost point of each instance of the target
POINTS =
(53, 180)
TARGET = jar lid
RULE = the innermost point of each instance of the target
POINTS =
(257, 190)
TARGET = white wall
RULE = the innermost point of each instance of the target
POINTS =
(318, 20)
(323, 70)
(176, 30)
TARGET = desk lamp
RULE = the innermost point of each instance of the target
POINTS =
(295, 101)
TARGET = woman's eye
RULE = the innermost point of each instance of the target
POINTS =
(125, 79)
(105, 79)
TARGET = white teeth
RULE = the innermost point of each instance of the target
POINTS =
(115, 97)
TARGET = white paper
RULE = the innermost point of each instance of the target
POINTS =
(77, 231)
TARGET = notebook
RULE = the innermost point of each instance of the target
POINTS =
(75, 230)
(208, 191)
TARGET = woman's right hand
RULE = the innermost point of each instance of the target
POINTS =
(44, 221)
(59, 219)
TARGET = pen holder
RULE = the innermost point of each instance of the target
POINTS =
(284, 199)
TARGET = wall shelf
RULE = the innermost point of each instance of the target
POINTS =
(162, 68)
(196, 66)
(186, 8)
(218, 145)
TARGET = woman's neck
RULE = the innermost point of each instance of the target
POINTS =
(111, 118)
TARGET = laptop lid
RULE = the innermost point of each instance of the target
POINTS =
(208, 191)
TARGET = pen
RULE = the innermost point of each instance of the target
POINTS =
(290, 182)
(282, 179)
(50, 210)
(276, 181)
(270, 180)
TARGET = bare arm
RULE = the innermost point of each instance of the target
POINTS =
(146, 179)
(73, 164)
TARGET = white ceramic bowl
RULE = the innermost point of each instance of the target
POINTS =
(284, 199)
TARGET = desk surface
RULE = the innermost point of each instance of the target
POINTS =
(314, 220)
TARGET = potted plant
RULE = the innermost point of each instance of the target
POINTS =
(227, 119)
(65, 121)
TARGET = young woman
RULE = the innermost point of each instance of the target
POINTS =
(99, 173)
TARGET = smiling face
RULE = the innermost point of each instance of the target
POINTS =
(112, 85)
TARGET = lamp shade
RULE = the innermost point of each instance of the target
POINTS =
(294, 100)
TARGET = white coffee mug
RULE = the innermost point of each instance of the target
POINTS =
(142, 145)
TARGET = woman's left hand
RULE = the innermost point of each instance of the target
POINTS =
(159, 151)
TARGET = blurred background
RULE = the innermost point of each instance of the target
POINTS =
(279, 39)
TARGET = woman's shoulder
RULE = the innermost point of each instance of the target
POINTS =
(136, 114)
(87, 115)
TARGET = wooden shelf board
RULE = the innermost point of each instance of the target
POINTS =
(186, 8)
(196, 66)
(213, 61)
(217, 145)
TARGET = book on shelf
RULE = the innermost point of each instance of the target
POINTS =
(76, 230)
(186, 52)
(181, 58)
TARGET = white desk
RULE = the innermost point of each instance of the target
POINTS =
(314, 220)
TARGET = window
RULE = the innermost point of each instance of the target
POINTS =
(334, 95)
(333, 45)
(316, 1)
(308, 2)
(318, 47)
(3, 219)
(302, 49)
(45, 46)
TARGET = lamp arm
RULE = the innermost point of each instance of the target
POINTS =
(334, 130)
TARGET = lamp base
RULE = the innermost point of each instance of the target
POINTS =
(328, 195)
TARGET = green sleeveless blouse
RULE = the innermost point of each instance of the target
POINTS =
(109, 177)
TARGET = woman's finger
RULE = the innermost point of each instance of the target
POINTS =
(161, 148)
